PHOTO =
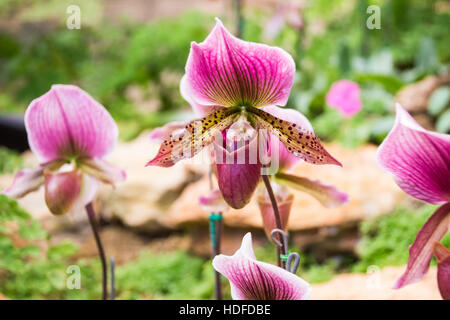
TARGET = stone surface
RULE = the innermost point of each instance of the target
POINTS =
(414, 97)
(372, 192)
(123, 244)
(376, 286)
(148, 192)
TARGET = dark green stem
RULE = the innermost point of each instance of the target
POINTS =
(91, 215)
(273, 200)
(216, 233)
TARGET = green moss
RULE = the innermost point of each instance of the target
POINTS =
(385, 240)
(173, 275)
(10, 161)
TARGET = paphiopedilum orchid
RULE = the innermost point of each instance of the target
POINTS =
(251, 279)
(70, 133)
(344, 95)
(326, 194)
(419, 160)
(229, 80)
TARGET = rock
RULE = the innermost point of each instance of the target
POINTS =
(414, 97)
(376, 286)
(147, 193)
(372, 192)
(326, 242)
(123, 244)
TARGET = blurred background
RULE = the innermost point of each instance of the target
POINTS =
(130, 56)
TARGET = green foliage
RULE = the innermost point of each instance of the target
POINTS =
(438, 107)
(173, 275)
(443, 122)
(438, 101)
(106, 61)
(26, 270)
(385, 240)
(10, 160)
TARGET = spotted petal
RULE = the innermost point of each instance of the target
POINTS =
(66, 122)
(184, 144)
(286, 159)
(299, 141)
(418, 159)
(442, 255)
(327, 195)
(251, 279)
(421, 251)
(226, 71)
(164, 132)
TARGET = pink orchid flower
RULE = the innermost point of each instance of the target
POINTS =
(326, 194)
(419, 160)
(344, 95)
(70, 133)
(251, 279)
(227, 80)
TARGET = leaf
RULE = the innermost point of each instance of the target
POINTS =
(438, 101)
(186, 143)
(61, 251)
(443, 123)
(10, 210)
(391, 83)
(298, 141)
(31, 230)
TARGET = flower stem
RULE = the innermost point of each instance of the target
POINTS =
(273, 200)
(91, 215)
(216, 233)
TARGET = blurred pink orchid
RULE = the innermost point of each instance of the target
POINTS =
(419, 160)
(70, 133)
(251, 279)
(229, 80)
(344, 95)
(213, 202)
(286, 13)
(327, 195)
